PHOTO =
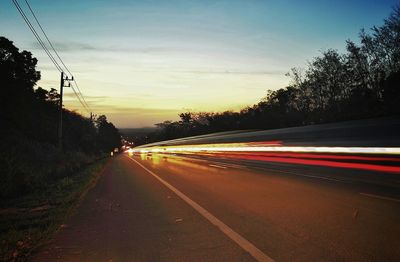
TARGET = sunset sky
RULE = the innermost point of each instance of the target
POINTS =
(143, 62)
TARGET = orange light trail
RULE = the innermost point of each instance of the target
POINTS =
(273, 151)
(326, 163)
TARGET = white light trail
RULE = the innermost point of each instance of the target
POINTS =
(238, 147)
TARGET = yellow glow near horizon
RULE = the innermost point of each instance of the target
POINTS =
(169, 94)
(159, 87)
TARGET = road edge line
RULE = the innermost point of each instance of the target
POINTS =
(229, 232)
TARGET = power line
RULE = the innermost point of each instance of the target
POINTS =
(58, 67)
(48, 40)
(80, 101)
(83, 98)
(55, 51)
(36, 35)
(78, 94)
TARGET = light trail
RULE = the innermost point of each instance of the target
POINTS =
(264, 147)
(364, 158)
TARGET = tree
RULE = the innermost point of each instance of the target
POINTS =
(18, 75)
(108, 136)
(17, 69)
(391, 93)
(29, 156)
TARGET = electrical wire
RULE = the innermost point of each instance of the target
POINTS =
(78, 94)
(83, 98)
(55, 51)
(37, 35)
(47, 38)
(80, 101)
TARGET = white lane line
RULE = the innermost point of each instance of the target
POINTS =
(238, 239)
(217, 166)
(380, 197)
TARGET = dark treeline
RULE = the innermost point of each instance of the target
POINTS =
(364, 82)
(29, 156)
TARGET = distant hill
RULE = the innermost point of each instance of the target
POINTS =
(139, 136)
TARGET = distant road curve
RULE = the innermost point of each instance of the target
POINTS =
(377, 132)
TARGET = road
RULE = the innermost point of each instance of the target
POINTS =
(154, 207)
(374, 132)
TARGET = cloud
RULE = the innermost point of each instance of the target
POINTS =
(113, 109)
(213, 72)
(71, 46)
(67, 46)
(47, 84)
(228, 72)
(89, 98)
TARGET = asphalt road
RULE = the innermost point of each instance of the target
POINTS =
(178, 208)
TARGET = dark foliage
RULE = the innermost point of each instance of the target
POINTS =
(28, 136)
(108, 136)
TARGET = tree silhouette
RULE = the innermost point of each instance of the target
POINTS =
(364, 82)
(28, 137)
(108, 136)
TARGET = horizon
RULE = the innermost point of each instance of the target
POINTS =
(144, 63)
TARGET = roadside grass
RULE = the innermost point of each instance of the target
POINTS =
(27, 222)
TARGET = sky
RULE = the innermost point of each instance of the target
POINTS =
(144, 62)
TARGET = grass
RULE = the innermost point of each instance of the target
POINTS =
(27, 222)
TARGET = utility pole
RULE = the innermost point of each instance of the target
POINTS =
(60, 124)
(60, 108)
